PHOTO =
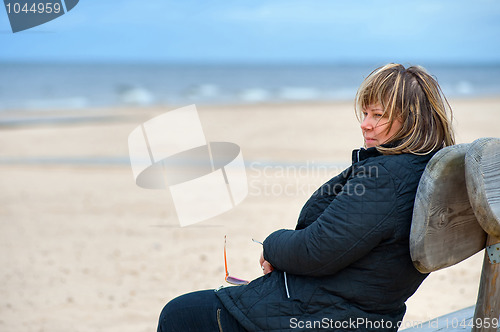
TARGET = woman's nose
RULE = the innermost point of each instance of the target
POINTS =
(366, 124)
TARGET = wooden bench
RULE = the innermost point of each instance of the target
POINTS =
(457, 214)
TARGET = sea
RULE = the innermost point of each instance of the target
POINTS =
(51, 86)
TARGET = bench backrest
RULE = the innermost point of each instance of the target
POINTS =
(457, 213)
(444, 229)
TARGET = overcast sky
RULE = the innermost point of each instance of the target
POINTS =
(305, 31)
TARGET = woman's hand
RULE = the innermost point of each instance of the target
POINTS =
(265, 265)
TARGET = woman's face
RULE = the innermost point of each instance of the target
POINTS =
(374, 126)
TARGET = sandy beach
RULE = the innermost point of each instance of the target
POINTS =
(83, 248)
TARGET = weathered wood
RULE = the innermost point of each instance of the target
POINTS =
(482, 167)
(482, 171)
(457, 321)
(444, 229)
(488, 297)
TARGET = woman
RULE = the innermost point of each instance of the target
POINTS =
(347, 265)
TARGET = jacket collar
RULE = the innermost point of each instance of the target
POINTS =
(362, 153)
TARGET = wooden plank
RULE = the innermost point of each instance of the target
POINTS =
(482, 171)
(482, 167)
(444, 229)
(458, 321)
(488, 297)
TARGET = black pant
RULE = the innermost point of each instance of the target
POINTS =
(199, 311)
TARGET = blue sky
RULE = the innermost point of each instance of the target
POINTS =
(305, 31)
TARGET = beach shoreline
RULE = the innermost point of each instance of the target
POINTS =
(83, 247)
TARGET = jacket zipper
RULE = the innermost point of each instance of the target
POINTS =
(218, 319)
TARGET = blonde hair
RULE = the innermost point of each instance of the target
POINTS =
(414, 97)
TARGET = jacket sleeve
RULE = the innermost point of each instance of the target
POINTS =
(352, 225)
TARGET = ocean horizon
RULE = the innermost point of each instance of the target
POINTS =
(49, 86)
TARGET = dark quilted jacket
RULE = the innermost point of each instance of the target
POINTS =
(347, 265)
